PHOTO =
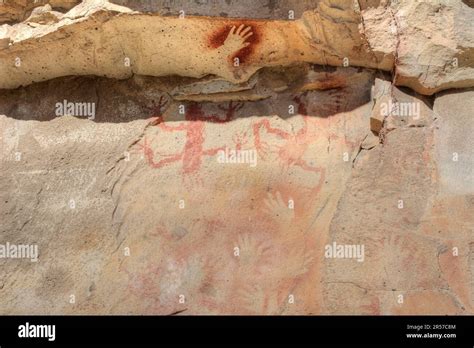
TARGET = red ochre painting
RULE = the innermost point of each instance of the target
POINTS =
(254, 249)
(236, 157)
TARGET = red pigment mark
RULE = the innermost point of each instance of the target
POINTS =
(292, 151)
(301, 106)
(303, 110)
(294, 148)
(144, 282)
(218, 38)
(373, 307)
(156, 111)
(194, 146)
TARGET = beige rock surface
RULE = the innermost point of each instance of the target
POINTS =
(432, 42)
(104, 39)
(12, 11)
(140, 208)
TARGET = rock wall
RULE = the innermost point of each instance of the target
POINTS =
(327, 170)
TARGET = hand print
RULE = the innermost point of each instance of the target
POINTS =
(252, 298)
(301, 261)
(255, 299)
(275, 206)
(157, 110)
(236, 39)
(254, 255)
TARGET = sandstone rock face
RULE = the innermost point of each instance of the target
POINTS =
(335, 33)
(322, 172)
(17, 10)
(418, 179)
(432, 52)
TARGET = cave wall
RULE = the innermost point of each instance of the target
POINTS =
(141, 208)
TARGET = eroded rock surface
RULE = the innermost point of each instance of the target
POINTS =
(200, 187)
(105, 39)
